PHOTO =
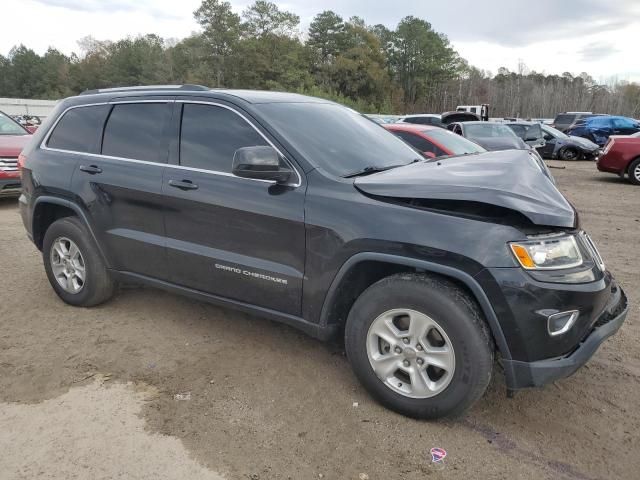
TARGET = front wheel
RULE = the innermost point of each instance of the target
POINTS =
(569, 153)
(420, 346)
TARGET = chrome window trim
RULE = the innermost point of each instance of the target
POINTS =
(43, 144)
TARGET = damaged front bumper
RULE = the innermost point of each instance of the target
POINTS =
(521, 374)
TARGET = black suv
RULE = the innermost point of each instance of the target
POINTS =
(306, 212)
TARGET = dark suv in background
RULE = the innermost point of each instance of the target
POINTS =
(563, 121)
(304, 211)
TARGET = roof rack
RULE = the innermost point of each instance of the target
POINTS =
(187, 87)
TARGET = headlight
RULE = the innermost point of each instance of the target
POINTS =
(548, 254)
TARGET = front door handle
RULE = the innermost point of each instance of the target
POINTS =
(183, 184)
(90, 169)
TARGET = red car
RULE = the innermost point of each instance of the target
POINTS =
(13, 138)
(621, 155)
(433, 141)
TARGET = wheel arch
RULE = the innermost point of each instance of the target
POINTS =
(355, 269)
(48, 209)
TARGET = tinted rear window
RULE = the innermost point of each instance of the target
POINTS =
(135, 130)
(79, 129)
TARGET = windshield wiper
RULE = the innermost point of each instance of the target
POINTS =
(373, 169)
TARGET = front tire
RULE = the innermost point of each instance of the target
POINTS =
(74, 265)
(570, 154)
(420, 346)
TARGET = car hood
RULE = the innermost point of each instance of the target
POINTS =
(500, 143)
(12, 145)
(509, 179)
(582, 142)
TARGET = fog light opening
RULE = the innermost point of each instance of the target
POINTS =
(560, 323)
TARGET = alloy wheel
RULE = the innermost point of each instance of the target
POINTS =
(67, 265)
(411, 353)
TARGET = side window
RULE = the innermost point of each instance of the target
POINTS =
(623, 123)
(135, 131)
(80, 129)
(473, 110)
(457, 129)
(210, 135)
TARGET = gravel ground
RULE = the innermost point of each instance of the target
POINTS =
(90, 393)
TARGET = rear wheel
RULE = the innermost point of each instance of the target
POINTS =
(420, 346)
(74, 265)
(634, 172)
(569, 153)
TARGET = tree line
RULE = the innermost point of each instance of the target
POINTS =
(372, 68)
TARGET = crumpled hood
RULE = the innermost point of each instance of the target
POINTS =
(510, 179)
(583, 142)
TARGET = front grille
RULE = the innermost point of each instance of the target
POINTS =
(8, 164)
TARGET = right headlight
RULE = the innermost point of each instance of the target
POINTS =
(550, 253)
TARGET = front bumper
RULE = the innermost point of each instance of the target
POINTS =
(10, 187)
(521, 374)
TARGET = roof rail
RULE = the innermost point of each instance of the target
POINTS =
(186, 87)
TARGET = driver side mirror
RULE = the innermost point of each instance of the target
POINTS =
(260, 163)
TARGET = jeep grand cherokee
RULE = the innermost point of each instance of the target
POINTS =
(303, 211)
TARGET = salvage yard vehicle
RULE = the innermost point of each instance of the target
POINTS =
(621, 155)
(599, 129)
(529, 132)
(434, 142)
(490, 135)
(561, 146)
(304, 211)
(13, 138)
(565, 120)
(423, 119)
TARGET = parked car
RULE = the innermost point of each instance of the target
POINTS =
(490, 135)
(481, 110)
(621, 155)
(306, 212)
(384, 119)
(599, 129)
(564, 120)
(423, 119)
(452, 117)
(434, 141)
(561, 146)
(13, 138)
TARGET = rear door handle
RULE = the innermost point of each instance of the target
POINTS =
(90, 169)
(183, 184)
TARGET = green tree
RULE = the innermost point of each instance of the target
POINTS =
(221, 29)
(265, 18)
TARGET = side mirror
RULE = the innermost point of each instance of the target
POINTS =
(260, 163)
(429, 154)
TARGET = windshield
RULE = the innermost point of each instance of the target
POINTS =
(488, 130)
(455, 143)
(10, 127)
(337, 139)
(554, 132)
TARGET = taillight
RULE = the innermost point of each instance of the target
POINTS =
(21, 159)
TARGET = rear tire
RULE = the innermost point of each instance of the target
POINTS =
(74, 265)
(634, 171)
(407, 380)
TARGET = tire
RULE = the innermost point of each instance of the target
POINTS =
(96, 285)
(453, 313)
(569, 153)
(634, 171)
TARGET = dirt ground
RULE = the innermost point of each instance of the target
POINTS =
(90, 393)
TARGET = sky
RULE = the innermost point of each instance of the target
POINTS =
(550, 36)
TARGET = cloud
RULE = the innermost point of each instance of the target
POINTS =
(597, 51)
(110, 6)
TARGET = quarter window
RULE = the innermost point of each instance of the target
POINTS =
(210, 136)
(135, 131)
(79, 130)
